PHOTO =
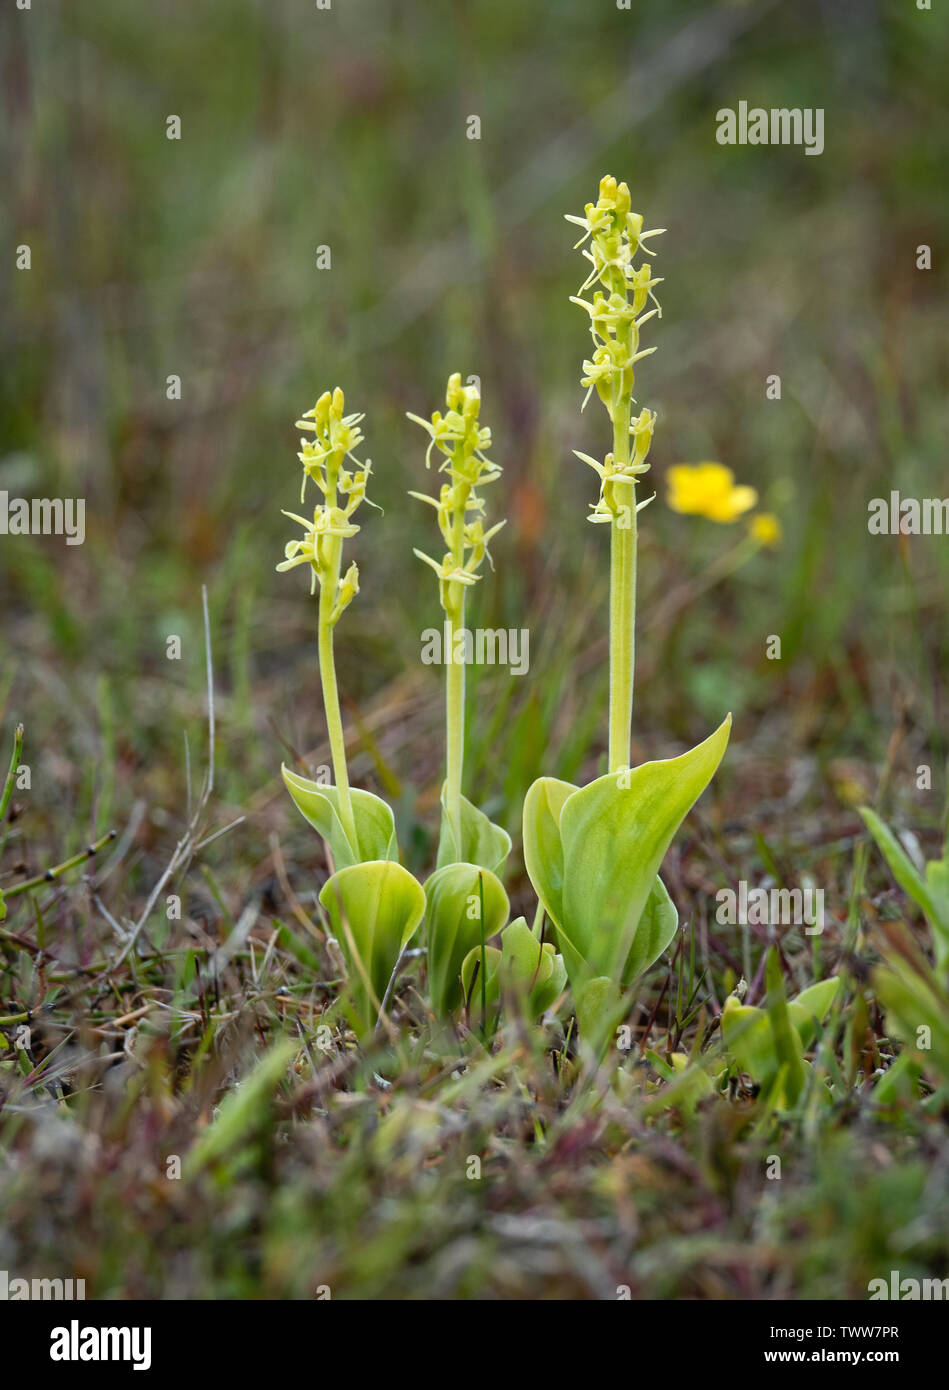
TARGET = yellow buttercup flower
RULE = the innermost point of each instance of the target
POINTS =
(766, 528)
(709, 490)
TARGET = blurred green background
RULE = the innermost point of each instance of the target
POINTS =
(346, 128)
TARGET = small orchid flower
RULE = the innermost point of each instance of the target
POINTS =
(336, 436)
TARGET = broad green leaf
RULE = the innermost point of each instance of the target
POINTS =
(600, 1006)
(523, 957)
(655, 930)
(542, 970)
(543, 850)
(453, 926)
(522, 966)
(482, 842)
(615, 833)
(769, 1043)
(544, 996)
(375, 909)
(471, 983)
(375, 824)
(747, 1034)
(543, 858)
(811, 1006)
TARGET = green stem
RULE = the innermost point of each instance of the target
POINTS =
(455, 672)
(622, 596)
(454, 715)
(329, 583)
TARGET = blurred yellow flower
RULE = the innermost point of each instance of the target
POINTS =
(709, 490)
(766, 528)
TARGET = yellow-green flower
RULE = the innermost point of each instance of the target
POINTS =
(462, 439)
(709, 490)
(342, 489)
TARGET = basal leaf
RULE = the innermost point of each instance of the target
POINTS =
(543, 849)
(482, 842)
(522, 967)
(747, 1035)
(471, 983)
(600, 1005)
(453, 926)
(375, 909)
(769, 1043)
(811, 1006)
(655, 930)
(615, 833)
(530, 967)
(375, 824)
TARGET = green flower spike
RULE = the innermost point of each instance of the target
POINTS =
(616, 316)
(342, 490)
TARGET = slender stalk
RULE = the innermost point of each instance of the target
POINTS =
(455, 671)
(623, 539)
(334, 720)
(454, 714)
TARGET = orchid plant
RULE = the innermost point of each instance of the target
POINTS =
(592, 853)
(375, 906)
(466, 901)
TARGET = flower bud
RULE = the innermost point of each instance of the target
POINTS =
(454, 395)
(347, 591)
(321, 413)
